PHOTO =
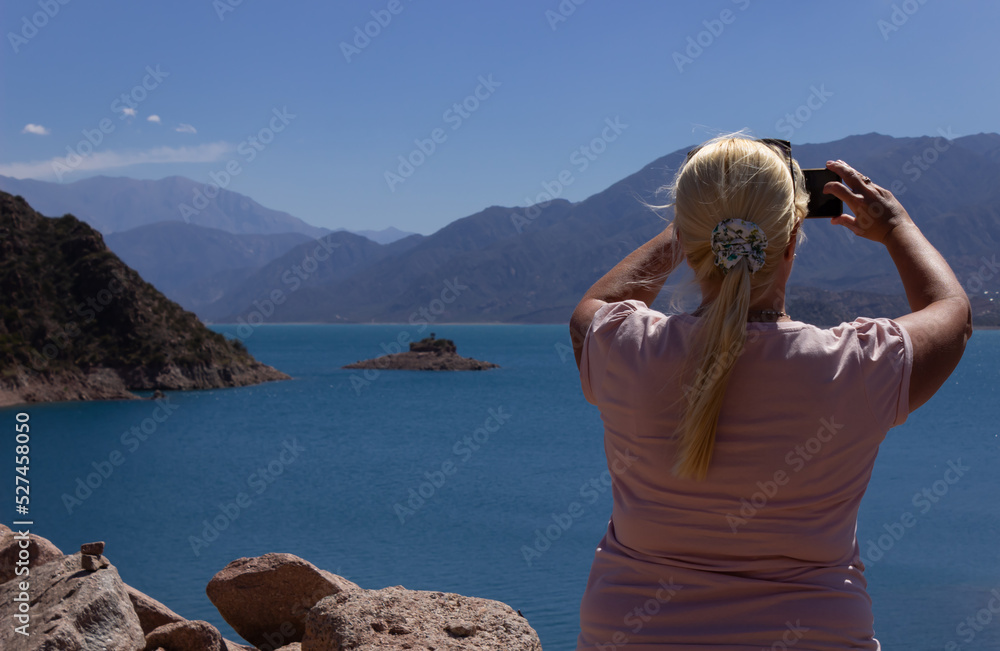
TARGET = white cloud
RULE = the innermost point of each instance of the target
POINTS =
(154, 118)
(103, 160)
(36, 129)
(185, 128)
(129, 112)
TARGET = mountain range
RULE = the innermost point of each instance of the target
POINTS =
(532, 264)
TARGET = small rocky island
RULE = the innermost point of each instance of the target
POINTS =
(428, 354)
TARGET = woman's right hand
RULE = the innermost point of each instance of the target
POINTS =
(876, 211)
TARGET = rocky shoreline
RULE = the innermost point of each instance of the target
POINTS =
(25, 386)
(276, 602)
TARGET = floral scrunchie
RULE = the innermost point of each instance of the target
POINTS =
(734, 239)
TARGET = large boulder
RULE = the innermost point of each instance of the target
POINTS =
(265, 599)
(194, 635)
(40, 552)
(397, 618)
(152, 614)
(71, 609)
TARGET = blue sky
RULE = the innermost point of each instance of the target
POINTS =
(588, 92)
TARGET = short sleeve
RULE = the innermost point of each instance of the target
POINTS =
(599, 342)
(886, 364)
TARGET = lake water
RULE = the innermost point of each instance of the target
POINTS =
(325, 467)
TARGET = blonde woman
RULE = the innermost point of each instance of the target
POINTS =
(750, 437)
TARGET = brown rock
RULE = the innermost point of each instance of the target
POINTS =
(194, 635)
(93, 548)
(396, 618)
(266, 599)
(71, 610)
(294, 646)
(93, 563)
(152, 614)
(40, 552)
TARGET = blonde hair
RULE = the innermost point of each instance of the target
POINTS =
(728, 177)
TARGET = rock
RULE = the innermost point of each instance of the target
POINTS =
(266, 599)
(71, 610)
(194, 635)
(152, 614)
(397, 618)
(294, 646)
(93, 563)
(40, 552)
(93, 548)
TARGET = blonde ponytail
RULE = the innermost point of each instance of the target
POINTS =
(728, 178)
(719, 342)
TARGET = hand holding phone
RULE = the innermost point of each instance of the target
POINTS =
(822, 205)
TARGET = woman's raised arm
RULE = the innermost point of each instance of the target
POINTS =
(940, 323)
(639, 276)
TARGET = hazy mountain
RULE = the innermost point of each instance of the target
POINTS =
(384, 236)
(115, 204)
(533, 264)
(195, 265)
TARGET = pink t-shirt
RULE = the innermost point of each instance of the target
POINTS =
(763, 551)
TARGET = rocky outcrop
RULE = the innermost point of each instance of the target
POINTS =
(71, 609)
(278, 602)
(266, 599)
(428, 354)
(76, 323)
(396, 618)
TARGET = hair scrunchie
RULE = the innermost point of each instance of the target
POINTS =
(735, 239)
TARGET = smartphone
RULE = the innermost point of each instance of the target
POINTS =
(822, 205)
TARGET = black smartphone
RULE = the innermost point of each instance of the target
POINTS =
(822, 205)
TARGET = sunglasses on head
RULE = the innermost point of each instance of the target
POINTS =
(784, 146)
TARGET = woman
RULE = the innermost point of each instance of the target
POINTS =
(748, 437)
